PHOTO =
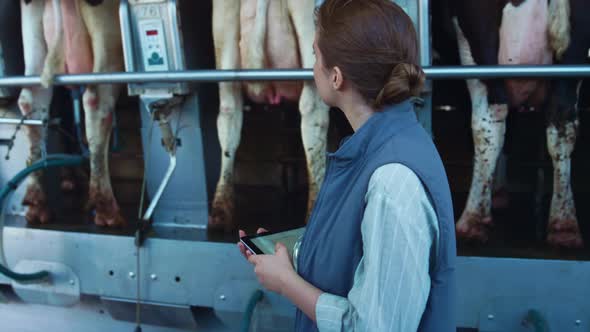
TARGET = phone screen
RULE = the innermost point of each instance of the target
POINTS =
(266, 243)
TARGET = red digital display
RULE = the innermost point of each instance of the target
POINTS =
(152, 32)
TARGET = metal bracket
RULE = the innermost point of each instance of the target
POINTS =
(162, 108)
(62, 288)
(163, 184)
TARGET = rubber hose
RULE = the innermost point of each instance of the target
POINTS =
(49, 162)
(41, 164)
(256, 296)
(538, 321)
(23, 277)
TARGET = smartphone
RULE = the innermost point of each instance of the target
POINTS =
(264, 243)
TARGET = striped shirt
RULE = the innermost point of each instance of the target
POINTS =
(391, 283)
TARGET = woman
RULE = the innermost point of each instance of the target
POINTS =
(378, 253)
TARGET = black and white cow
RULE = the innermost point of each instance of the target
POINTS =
(531, 32)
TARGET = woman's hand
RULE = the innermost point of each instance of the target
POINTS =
(273, 271)
(245, 252)
(276, 273)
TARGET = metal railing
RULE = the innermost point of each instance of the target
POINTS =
(432, 72)
(8, 121)
(424, 31)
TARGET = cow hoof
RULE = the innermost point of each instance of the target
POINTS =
(564, 234)
(38, 211)
(109, 219)
(106, 209)
(38, 215)
(473, 227)
(221, 218)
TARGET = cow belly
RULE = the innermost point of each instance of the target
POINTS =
(523, 41)
(281, 49)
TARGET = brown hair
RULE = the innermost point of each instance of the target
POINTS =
(374, 44)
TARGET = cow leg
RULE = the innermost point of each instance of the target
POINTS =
(488, 124)
(563, 227)
(563, 230)
(99, 105)
(314, 112)
(34, 102)
(226, 32)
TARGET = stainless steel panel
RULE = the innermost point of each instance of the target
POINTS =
(188, 272)
(184, 201)
(507, 288)
(158, 314)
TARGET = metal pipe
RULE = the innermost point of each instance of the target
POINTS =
(436, 72)
(516, 71)
(424, 31)
(160, 191)
(8, 121)
(178, 55)
(126, 36)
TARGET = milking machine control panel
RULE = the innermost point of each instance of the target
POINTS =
(152, 36)
(153, 47)
(152, 42)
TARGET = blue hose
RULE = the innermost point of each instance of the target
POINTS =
(23, 277)
(256, 296)
(537, 320)
(49, 162)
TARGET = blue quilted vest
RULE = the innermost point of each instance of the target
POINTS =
(331, 247)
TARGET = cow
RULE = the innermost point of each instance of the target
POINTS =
(526, 32)
(256, 34)
(72, 37)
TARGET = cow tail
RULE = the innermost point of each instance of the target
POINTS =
(55, 60)
(559, 26)
(256, 48)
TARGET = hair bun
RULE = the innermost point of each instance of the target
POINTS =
(404, 81)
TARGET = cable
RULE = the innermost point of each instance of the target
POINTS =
(138, 234)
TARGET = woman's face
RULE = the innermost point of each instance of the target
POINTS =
(321, 76)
